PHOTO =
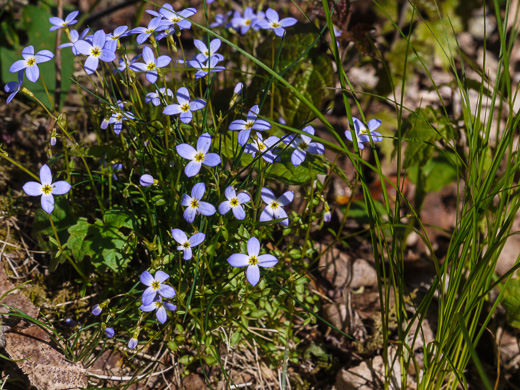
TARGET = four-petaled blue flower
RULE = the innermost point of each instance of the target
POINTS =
(251, 122)
(248, 20)
(160, 308)
(302, 145)
(46, 188)
(13, 87)
(155, 285)
(199, 156)
(155, 97)
(74, 37)
(252, 261)
(362, 132)
(151, 64)
(95, 51)
(205, 52)
(173, 19)
(156, 24)
(234, 202)
(117, 118)
(274, 209)
(59, 23)
(185, 243)
(113, 38)
(185, 107)
(194, 205)
(203, 68)
(272, 21)
(265, 148)
(30, 62)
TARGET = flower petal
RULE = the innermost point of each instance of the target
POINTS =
(146, 278)
(148, 296)
(253, 246)
(161, 315)
(239, 124)
(179, 236)
(183, 96)
(60, 188)
(211, 160)
(161, 276)
(297, 157)
(286, 198)
(148, 55)
(32, 73)
(186, 151)
(166, 291)
(243, 137)
(204, 143)
(189, 214)
(224, 207)
(186, 117)
(188, 253)
(197, 239)
(197, 104)
(238, 260)
(198, 191)
(45, 174)
(373, 124)
(268, 196)
(172, 109)
(192, 168)
(253, 274)
(243, 197)
(32, 188)
(239, 213)
(261, 125)
(206, 209)
(267, 261)
(148, 307)
(288, 22)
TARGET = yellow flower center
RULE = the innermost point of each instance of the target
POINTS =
(119, 117)
(185, 107)
(199, 157)
(206, 53)
(149, 31)
(234, 202)
(363, 131)
(275, 205)
(186, 245)
(47, 189)
(96, 52)
(253, 260)
(303, 146)
(31, 61)
(261, 146)
(248, 22)
(156, 285)
(275, 25)
(249, 125)
(194, 203)
(175, 19)
(158, 304)
(150, 66)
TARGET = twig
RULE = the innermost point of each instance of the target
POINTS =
(127, 378)
(241, 385)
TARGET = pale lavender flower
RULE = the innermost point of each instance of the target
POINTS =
(205, 52)
(30, 62)
(155, 285)
(272, 22)
(251, 122)
(113, 38)
(185, 243)
(362, 133)
(151, 64)
(210, 66)
(110, 332)
(194, 205)
(59, 23)
(13, 87)
(155, 97)
(252, 261)
(302, 145)
(46, 189)
(185, 107)
(199, 156)
(244, 22)
(221, 20)
(160, 308)
(155, 25)
(95, 51)
(265, 148)
(74, 37)
(132, 343)
(238, 88)
(122, 63)
(177, 18)
(117, 118)
(96, 310)
(234, 202)
(146, 180)
(274, 209)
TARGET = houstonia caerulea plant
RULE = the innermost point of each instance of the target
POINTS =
(185, 243)
(172, 18)
(234, 202)
(155, 286)
(151, 64)
(203, 68)
(251, 122)
(272, 21)
(46, 189)
(185, 107)
(267, 148)
(30, 62)
(60, 23)
(252, 261)
(302, 145)
(13, 87)
(248, 20)
(74, 37)
(199, 156)
(110, 332)
(362, 132)
(155, 97)
(117, 119)
(274, 209)
(113, 38)
(194, 205)
(160, 308)
(205, 52)
(132, 343)
(156, 24)
(95, 51)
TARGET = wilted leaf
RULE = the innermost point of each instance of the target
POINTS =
(15, 299)
(46, 368)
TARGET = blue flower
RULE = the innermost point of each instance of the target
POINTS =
(251, 122)
(160, 308)
(74, 37)
(220, 20)
(59, 23)
(210, 66)
(205, 52)
(155, 285)
(266, 149)
(272, 21)
(234, 202)
(245, 22)
(274, 209)
(362, 133)
(96, 310)
(302, 145)
(238, 88)
(150, 64)
(193, 204)
(46, 189)
(110, 332)
(14, 87)
(117, 118)
(146, 180)
(155, 97)
(177, 18)
(252, 261)
(199, 156)
(30, 62)
(95, 51)
(185, 107)
(156, 24)
(113, 38)
(132, 343)
(122, 63)
(185, 243)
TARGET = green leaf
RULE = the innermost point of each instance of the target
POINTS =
(511, 302)
(287, 173)
(437, 173)
(186, 359)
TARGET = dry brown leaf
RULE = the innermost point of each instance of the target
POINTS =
(16, 299)
(46, 368)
